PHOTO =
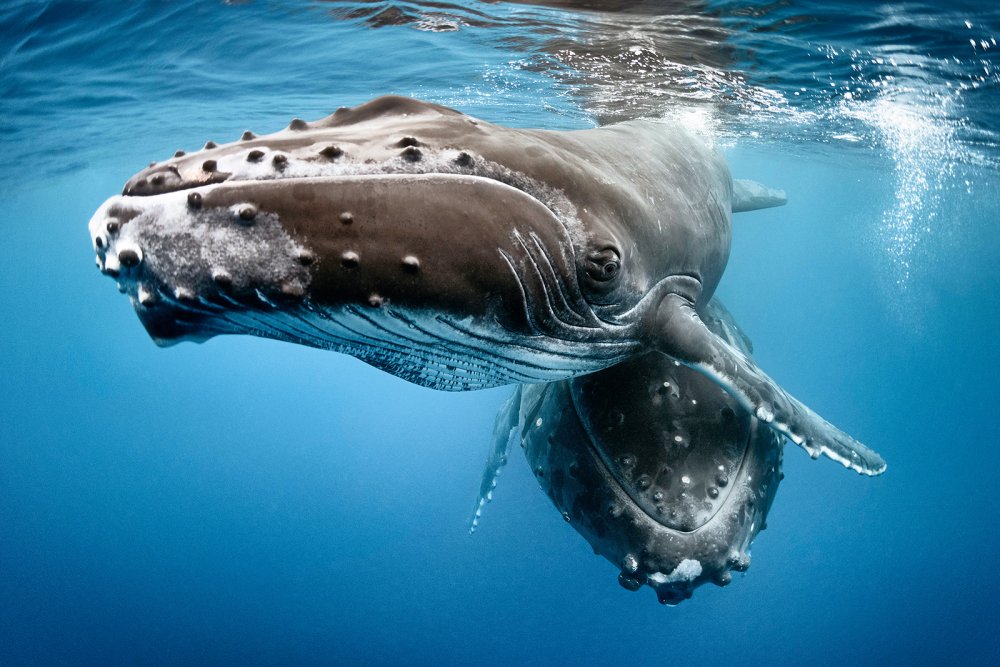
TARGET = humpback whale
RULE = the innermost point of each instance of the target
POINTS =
(664, 475)
(452, 252)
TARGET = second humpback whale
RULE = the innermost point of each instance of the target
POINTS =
(664, 475)
(451, 252)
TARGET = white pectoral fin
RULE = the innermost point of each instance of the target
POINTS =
(682, 334)
(751, 195)
(506, 431)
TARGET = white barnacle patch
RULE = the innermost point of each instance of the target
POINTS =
(145, 297)
(111, 262)
(764, 414)
(184, 293)
(688, 570)
(181, 248)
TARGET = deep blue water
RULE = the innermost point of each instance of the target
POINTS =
(248, 501)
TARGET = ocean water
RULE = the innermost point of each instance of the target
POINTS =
(253, 502)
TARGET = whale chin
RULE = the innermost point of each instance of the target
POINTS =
(166, 329)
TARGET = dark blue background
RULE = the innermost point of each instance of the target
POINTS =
(251, 501)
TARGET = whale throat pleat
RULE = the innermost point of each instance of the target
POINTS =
(418, 348)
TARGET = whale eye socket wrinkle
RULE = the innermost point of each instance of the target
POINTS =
(603, 265)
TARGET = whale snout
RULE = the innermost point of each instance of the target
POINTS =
(183, 265)
(113, 257)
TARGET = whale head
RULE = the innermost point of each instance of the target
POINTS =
(423, 241)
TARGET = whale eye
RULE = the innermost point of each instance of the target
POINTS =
(603, 265)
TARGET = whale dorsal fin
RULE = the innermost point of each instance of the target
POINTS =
(751, 195)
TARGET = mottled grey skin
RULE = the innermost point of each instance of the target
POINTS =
(449, 251)
(664, 475)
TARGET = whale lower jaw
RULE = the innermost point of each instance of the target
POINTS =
(427, 349)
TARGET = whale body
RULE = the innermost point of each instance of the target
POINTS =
(452, 252)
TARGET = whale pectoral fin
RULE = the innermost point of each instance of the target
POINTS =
(506, 431)
(751, 195)
(681, 334)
